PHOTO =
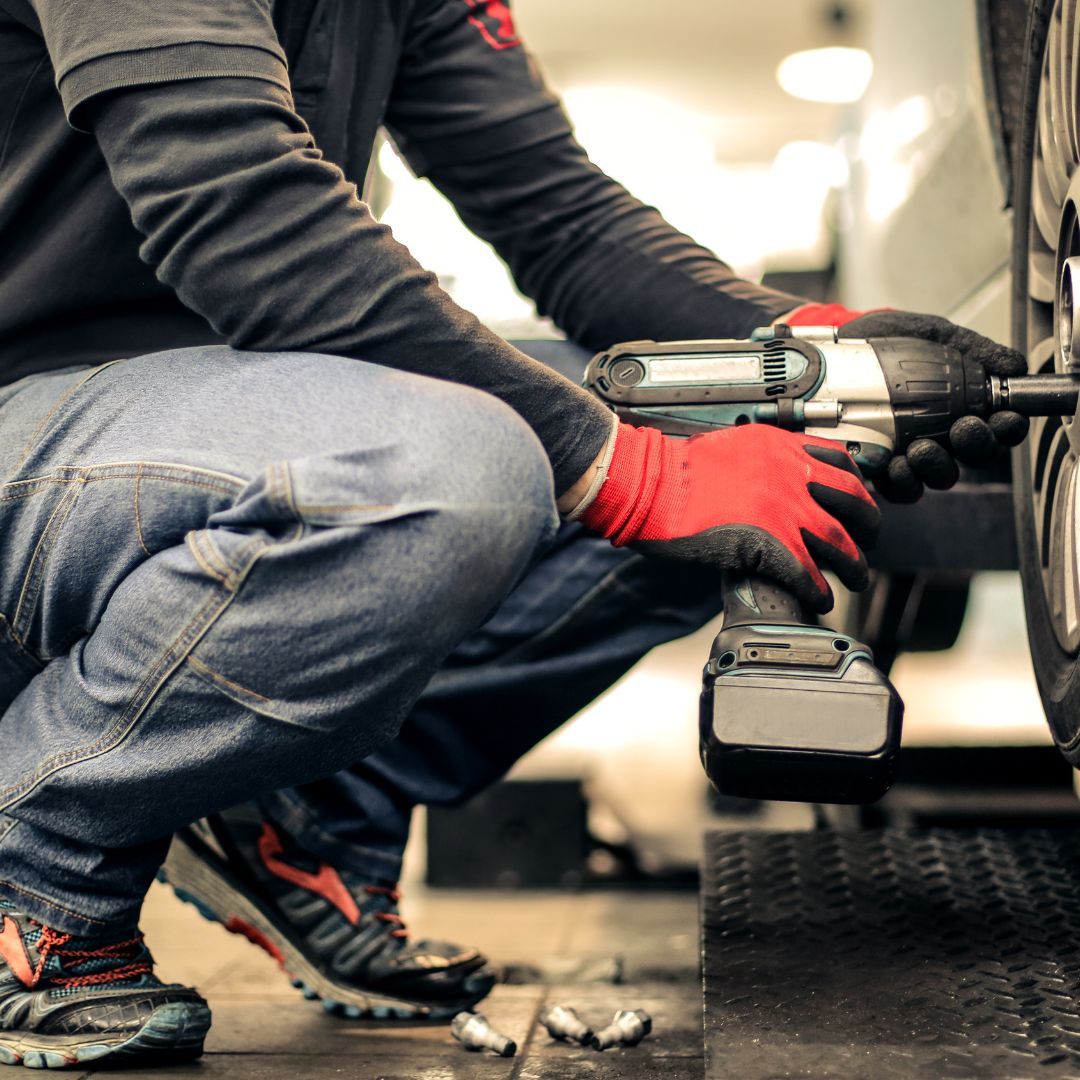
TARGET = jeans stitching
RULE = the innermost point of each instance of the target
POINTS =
(194, 543)
(38, 481)
(208, 485)
(37, 489)
(279, 491)
(48, 901)
(57, 405)
(23, 651)
(169, 470)
(7, 827)
(169, 659)
(217, 677)
(287, 494)
(157, 470)
(31, 584)
(289, 497)
(244, 559)
(138, 515)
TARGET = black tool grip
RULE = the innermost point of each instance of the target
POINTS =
(930, 386)
(749, 599)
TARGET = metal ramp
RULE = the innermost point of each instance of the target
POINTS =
(884, 953)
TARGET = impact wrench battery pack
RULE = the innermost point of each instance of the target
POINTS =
(793, 711)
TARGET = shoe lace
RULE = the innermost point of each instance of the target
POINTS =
(394, 896)
(54, 943)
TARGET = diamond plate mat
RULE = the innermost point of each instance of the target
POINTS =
(892, 953)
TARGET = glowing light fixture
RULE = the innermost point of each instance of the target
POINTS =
(835, 75)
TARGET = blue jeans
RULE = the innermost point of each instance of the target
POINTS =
(230, 576)
(583, 614)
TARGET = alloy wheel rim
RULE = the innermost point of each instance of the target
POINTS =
(1053, 237)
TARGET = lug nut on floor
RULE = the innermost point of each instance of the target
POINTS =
(474, 1033)
(627, 1028)
(563, 1023)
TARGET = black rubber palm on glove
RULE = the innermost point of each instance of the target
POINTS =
(971, 441)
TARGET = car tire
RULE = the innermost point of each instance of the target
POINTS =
(1046, 469)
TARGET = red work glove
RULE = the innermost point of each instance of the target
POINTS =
(971, 440)
(751, 498)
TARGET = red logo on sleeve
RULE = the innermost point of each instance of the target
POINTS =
(495, 23)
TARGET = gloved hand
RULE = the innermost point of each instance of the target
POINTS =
(752, 498)
(971, 441)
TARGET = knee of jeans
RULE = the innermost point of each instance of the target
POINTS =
(496, 464)
(463, 460)
(480, 495)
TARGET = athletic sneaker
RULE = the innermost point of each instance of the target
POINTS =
(335, 937)
(75, 1001)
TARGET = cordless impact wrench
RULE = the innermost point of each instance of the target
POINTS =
(790, 709)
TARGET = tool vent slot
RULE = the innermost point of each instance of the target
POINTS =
(775, 368)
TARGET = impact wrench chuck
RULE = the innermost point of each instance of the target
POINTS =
(563, 1023)
(474, 1033)
(628, 1028)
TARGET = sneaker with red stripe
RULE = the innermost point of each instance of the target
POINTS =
(338, 939)
(68, 1001)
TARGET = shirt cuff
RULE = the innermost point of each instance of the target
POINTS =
(167, 64)
(601, 474)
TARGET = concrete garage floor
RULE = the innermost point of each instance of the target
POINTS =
(558, 948)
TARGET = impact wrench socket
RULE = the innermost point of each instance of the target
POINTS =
(474, 1033)
(563, 1023)
(627, 1028)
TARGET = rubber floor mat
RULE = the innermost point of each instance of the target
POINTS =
(892, 953)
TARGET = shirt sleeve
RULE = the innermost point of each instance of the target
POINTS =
(100, 45)
(253, 228)
(471, 112)
(466, 88)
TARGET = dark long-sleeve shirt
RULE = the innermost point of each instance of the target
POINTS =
(183, 173)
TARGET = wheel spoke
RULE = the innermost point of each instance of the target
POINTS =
(1057, 74)
(1048, 141)
(1055, 462)
(1044, 206)
(1042, 354)
(1060, 110)
(1042, 283)
(1053, 70)
(1066, 572)
(1061, 568)
(1070, 36)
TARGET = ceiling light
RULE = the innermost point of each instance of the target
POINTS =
(836, 76)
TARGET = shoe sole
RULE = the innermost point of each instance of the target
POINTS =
(212, 892)
(172, 1033)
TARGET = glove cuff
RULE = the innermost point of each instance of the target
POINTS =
(625, 497)
(821, 315)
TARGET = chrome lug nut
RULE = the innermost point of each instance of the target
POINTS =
(627, 1028)
(563, 1023)
(474, 1033)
